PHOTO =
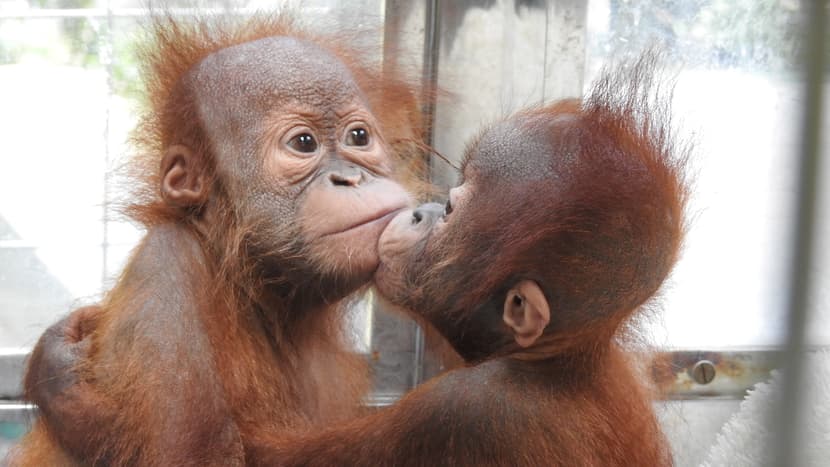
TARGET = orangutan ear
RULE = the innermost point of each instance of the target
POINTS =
(182, 180)
(526, 312)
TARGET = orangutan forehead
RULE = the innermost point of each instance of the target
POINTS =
(273, 70)
(515, 149)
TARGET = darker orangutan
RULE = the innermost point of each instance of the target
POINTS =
(568, 219)
(268, 176)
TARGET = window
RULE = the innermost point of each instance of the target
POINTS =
(739, 95)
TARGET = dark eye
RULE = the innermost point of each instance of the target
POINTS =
(448, 208)
(357, 137)
(303, 143)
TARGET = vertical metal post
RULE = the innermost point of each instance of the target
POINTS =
(788, 413)
(432, 44)
(429, 80)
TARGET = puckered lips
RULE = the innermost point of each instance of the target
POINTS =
(336, 212)
(378, 219)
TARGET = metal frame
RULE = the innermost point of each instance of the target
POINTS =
(673, 373)
(789, 411)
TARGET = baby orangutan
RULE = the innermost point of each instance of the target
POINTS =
(568, 219)
(267, 163)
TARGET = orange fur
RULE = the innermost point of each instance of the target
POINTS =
(585, 200)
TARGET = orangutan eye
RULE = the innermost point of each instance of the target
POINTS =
(448, 208)
(304, 143)
(357, 137)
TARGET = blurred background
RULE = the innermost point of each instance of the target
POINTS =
(69, 90)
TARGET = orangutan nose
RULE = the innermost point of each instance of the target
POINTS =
(428, 211)
(346, 177)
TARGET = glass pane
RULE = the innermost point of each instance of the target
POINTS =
(497, 57)
(738, 97)
(39, 284)
(55, 96)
